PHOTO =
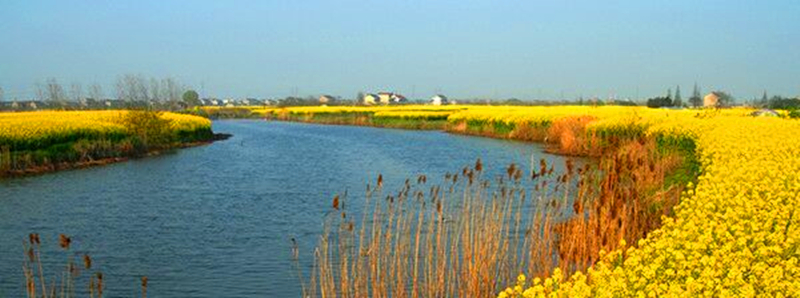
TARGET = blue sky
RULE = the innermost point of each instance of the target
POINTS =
(466, 49)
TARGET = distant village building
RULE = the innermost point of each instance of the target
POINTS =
(33, 105)
(391, 97)
(15, 105)
(385, 97)
(371, 99)
(326, 99)
(439, 100)
(397, 98)
(711, 99)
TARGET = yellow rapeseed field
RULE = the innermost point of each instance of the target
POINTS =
(33, 130)
(734, 234)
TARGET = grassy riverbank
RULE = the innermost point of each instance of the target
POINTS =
(37, 142)
(732, 230)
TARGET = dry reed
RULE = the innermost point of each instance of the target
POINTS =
(34, 273)
(468, 237)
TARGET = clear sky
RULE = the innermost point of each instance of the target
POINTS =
(465, 49)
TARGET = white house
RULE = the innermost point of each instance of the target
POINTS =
(326, 99)
(371, 99)
(390, 97)
(398, 98)
(439, 100)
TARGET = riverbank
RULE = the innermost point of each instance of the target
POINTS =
(747, 178)
(638, 181)
(34, 143)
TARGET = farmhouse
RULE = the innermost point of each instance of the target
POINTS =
(439, 100)
(370, 99)
(326, 99)
(711, 99)
(390, 97)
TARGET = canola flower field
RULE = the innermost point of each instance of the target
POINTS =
(735, 232)
(37, 130)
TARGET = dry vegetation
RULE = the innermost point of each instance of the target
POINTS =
(70, 281)
(473, 234)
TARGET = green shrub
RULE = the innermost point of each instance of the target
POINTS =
(148, 130)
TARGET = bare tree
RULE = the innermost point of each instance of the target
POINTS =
(55, 93)
(95, 95)
(76, 92)
(165, 92)
(40, 94)
(1, 94)
(173, 91)
(96, 92)
(155, 92)
(132, 88)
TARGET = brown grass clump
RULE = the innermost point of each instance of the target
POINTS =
(569, 136)
(65, 287)
(529, 133)
(625, 203)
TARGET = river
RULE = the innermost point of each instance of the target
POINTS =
(216, 220)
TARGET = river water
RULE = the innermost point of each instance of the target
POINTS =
(216, 220)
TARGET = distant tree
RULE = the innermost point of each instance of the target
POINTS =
(678, 102)
(658, 102)
(626, 102)
(292, 101)
(696, 100)
(172, 90)
(155, 92)
(725, 99)
(782, 103)
(95, 92)
(76, 92)
(1, 94)
(513, 102)
(669, 93)
(191, 98)
(764, 100)
(54, 93)
(360, 97)
(132, 89)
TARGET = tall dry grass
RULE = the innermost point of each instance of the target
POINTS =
(70, 281)
(62, 284)
(472, 234)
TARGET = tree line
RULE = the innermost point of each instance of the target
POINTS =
(130, 91)
(695, 100)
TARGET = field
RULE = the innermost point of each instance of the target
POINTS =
(43, 139)
(733, 233)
